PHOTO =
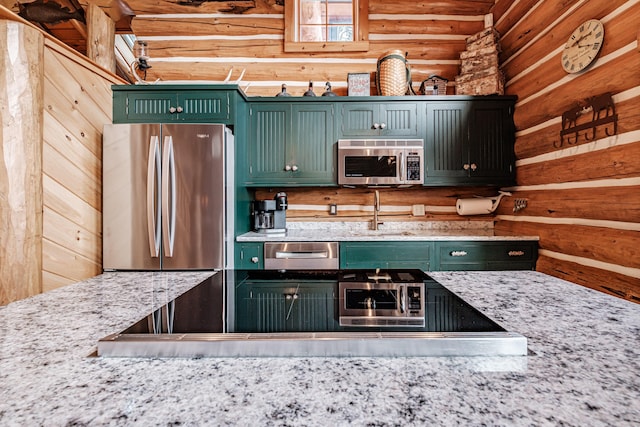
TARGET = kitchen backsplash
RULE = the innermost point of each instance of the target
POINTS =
(426, 206)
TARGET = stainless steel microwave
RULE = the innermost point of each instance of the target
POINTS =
(380, 161)
(379, 304)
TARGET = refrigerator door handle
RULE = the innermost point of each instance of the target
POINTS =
(169, 196)
(153, 208)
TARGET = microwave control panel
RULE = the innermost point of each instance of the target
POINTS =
(413, 167)
(414, 296)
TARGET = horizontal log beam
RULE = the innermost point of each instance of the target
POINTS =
(603, 203)
(618, 247)
(542, 141)
(618, 75)
(616, 162)
(618, 285)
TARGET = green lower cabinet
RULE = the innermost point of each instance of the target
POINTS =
(285, 307)
(503, 255)
(249, 256)
(355, 255)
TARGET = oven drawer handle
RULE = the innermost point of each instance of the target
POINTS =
(516, 253)
(458, 253)
(301, 255)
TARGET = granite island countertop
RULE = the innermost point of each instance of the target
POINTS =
(396, 231)
(584, 356)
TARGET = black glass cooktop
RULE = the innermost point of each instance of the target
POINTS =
(298, 301)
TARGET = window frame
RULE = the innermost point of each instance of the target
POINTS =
(360, 41)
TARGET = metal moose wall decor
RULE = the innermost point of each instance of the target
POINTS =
(603, 113)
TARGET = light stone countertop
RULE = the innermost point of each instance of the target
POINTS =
(582, 368)
(396, 231)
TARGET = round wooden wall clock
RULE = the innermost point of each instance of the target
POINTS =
(583, 46)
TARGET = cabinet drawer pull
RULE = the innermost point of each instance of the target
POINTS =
(458, 253)
(255, 259)
(516, 253)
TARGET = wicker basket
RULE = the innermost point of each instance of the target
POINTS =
(393, 77)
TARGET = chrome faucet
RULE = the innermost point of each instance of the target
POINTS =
(376, 209)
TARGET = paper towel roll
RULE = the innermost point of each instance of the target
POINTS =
(478, 206)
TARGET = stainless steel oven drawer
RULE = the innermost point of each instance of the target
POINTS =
(301, 256)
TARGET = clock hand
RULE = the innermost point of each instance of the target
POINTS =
(581, 38)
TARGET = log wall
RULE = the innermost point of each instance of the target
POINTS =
(582, 199)
(50, 177)
(205, 43)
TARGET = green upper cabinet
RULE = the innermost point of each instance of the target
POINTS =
(447, 142)
(491, 143)
(470, 142)
(290, 144)
(171, 105)
(379, 118)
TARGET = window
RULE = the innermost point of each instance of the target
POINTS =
(326, 25)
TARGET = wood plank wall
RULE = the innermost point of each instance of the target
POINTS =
(205, 43)
(584, 199)
(77, 100)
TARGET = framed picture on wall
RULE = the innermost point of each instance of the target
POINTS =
(359, 84)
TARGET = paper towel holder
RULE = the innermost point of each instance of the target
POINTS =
(486, 206)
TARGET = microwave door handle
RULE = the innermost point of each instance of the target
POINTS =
(402, 301)
(402, 174)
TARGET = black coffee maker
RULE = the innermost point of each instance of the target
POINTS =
(270, 216)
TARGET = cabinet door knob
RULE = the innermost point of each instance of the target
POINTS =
(294, 168)
(458, 253)
(516, 253)
(172, 110)
(465, 166)
(474, 166)
(376, 125)
(383, 125)
(255, 259)
(287, 167)
(179, 109)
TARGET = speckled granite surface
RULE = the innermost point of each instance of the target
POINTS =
(582, 369)
(361, 231)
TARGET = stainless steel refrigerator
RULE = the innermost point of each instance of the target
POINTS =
(167, 197)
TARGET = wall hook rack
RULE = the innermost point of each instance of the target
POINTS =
(603, 114)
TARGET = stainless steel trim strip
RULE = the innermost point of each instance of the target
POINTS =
(337, 344)
(153, 222)
(168, 197)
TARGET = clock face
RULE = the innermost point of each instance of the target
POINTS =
(583, 46)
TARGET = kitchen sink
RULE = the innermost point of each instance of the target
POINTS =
(383, 233)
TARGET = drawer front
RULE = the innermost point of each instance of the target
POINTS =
(385, 255)
(486, 255)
